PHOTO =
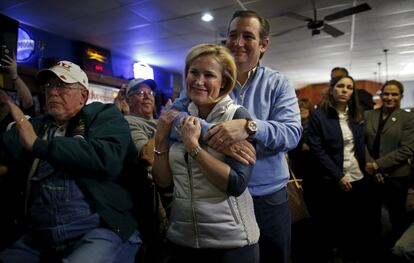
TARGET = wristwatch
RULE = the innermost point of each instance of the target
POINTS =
(195, 151)
(251, 127)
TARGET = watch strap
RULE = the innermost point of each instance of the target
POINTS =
(195, 151)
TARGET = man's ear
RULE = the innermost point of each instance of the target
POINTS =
(264, 45)
(85, 95)
(127, 100)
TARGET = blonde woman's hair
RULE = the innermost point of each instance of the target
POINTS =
(223, 57)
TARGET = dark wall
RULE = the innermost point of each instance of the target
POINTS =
(67, 49)
(53, 46)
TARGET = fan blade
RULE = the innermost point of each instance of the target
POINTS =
(348, 12)
(297, 16)
(332, 30)
(287, 31)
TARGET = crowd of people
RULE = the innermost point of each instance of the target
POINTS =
(86, 182)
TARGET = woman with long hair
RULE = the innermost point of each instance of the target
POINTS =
(338, 184)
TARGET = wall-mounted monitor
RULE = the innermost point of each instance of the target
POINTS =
(96, 59)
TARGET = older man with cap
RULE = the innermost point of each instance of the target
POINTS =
(70, 161)
(141, 100)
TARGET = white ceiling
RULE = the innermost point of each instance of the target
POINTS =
(160, 32)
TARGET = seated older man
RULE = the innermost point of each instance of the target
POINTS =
(141, 100)
(70, 161)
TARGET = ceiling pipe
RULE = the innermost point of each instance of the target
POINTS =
(379, 72)
(351, 44)
(386, 63)
(241, 5)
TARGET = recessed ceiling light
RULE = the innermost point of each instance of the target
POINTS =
(207, 17)
(406, 52)
(408, 69)
(406, 45)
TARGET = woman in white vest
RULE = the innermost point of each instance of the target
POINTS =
(212, 217)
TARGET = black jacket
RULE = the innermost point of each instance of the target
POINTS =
(326, 144)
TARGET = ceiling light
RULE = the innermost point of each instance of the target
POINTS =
(406, 45)
(207, 17)
(408, 69)
(403, 36)
(406, 52)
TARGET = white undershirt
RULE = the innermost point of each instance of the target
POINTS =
(351, 167)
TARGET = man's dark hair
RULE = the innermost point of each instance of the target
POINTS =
(264, 24)
(340, 69)
(365, 100)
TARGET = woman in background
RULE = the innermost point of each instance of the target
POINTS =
(338, 186)
(389, 135)
(299, 157)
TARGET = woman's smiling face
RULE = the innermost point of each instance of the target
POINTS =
(204, 80)
(391, 97)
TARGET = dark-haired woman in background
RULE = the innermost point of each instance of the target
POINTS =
(389, 135)
(338, 185)
(299, 157)
(303, 232)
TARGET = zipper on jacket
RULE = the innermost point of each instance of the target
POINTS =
(232, 210)
(190, 180)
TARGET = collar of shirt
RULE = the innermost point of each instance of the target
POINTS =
(249, 75)
(343, 114)
(57, 129)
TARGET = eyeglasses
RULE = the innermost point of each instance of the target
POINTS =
(61, 87)
(142, 93)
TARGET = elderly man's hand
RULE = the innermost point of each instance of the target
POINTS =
(24, 127)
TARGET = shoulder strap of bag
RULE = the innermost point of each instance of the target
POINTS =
(292, 175)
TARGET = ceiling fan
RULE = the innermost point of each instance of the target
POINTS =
(317, 25)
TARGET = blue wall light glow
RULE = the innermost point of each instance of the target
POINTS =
(25, 46)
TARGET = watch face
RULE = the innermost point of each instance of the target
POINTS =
(252, 126)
